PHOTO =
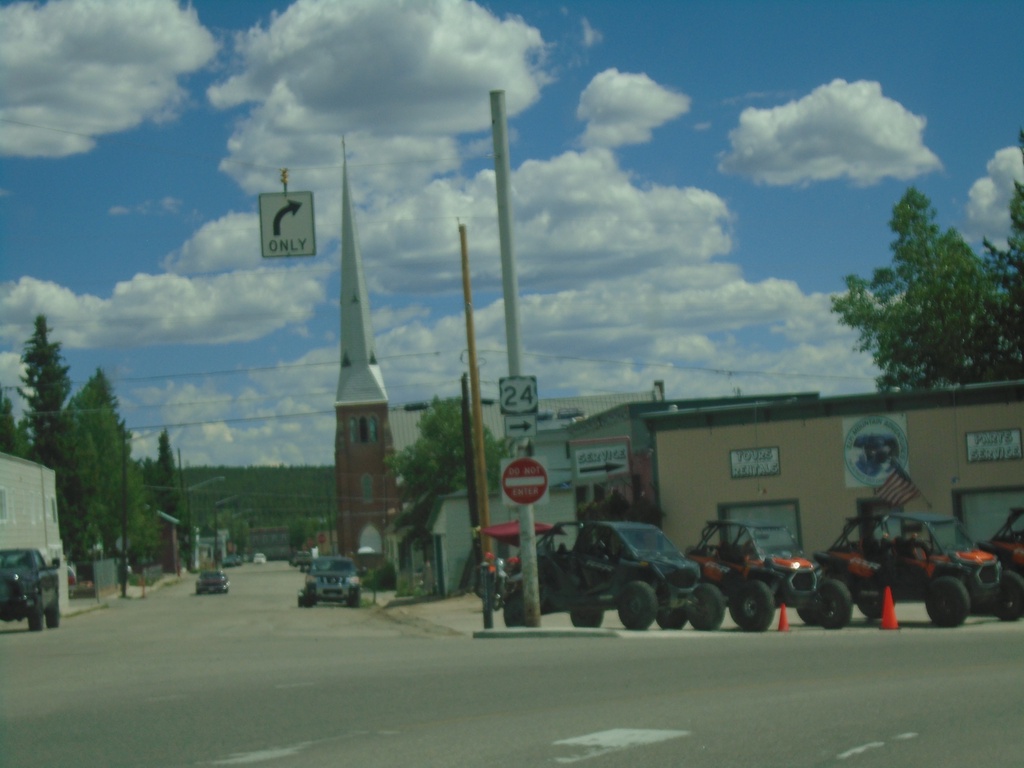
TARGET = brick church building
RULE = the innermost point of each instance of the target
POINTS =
(367, 493)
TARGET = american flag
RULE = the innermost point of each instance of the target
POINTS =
(898, 488)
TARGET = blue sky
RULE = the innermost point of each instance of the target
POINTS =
(691, 183)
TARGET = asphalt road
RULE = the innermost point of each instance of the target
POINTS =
(251, 679)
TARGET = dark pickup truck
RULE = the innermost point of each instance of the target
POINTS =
(29, 589)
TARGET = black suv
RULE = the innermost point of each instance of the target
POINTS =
(759, 567)
(331, 580)
(29, 589)
(922, 556)
(586, 568)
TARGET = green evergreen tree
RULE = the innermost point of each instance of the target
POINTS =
(163, 490)
(45, 424)
(9, 437)
(110, 482)
(46, 388)
(98, 435)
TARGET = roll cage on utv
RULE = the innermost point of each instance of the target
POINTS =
(759, 566)
(586, 568)
(1008, 542)
(922, 556)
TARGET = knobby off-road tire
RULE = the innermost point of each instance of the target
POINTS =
(671, 618)
(835, 606)
(638, 605)
(1011, 597)
(948, 602)
(870, 605)
(586, 617)
(707, 612)
(354, 598)
(753, 607)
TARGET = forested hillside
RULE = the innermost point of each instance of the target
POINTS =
(302, 498)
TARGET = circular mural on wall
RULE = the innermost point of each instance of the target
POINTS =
(873, 446)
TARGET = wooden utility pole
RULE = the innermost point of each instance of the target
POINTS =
(480, 465)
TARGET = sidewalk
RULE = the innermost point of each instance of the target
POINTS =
(87, 604)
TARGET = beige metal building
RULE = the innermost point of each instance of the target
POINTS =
(812, 462)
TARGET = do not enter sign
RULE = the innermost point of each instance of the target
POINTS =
(524, 481)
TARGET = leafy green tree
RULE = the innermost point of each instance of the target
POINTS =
(435, 464)
(925, 319)
(1007, 312)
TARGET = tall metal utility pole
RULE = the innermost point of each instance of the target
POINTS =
(510, 285)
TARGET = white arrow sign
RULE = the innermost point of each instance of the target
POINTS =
(596, 460)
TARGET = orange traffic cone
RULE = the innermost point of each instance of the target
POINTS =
(889, 612)
(783, 621)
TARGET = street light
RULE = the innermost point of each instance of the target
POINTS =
(188, 509)
(216, 530)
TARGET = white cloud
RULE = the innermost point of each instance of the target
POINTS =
(988, 206)
(323, 69)
(591, 36)
(166, 309)
(230, 242)
(70, 67)
(623, 108)
(838, 130)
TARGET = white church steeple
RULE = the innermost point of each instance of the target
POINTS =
(360, 380)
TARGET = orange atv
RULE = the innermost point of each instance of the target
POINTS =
(1008, 542)
(760, 567)
(922, 556)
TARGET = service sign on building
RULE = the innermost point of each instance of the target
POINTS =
(997, 445)
(286, 224)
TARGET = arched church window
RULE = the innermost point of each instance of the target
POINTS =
(373, 429)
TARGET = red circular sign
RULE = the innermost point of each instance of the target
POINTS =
(524, 481)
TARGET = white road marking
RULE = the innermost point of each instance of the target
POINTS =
(615, 740)
(874, 745)
(247, 758)
(861, 749)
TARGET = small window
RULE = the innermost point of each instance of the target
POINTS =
(3, 505)
(353, 430)
(367, 482)
(373, 429)
(53, 509)
(364, 430)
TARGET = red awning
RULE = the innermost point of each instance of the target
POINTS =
(508, 533)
